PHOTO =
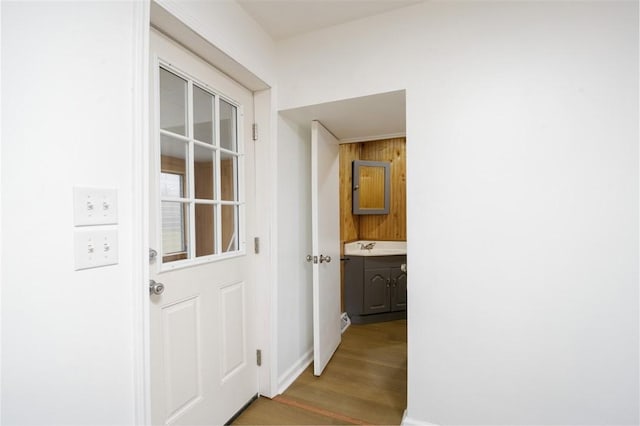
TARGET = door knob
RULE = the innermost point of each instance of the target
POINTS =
(155, 288)
(324, 258)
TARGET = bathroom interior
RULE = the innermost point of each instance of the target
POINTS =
(373, 230)
(371, 246)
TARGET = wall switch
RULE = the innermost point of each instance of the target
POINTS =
(95, 206)
(95, 248)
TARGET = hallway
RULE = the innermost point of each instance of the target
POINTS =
(364, 383)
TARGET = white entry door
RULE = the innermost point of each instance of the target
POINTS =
(325, 236)
(202, 193)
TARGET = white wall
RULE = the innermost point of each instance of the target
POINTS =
(295, 321)
(227, 26)
(67, 350)
(68, 95)
(522, 188)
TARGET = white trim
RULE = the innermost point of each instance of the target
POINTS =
(374, 137)
(273, 227)
(298, 367)
(171, 19)
(1, 244)
(266, 181)
(187, 263)
(408, 421)
(140, 213)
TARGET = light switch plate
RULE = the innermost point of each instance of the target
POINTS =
(95, 248)
(95, 206)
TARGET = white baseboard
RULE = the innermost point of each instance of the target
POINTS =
(289, 376)
(408, 421)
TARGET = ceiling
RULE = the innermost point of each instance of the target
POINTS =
(378, 116)
(287, 18)
(366, 118)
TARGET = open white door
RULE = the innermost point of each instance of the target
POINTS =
(325, 235)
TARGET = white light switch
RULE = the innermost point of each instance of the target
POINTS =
(95, 248)
(95, 206)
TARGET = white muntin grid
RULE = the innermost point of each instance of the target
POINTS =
(188, 199)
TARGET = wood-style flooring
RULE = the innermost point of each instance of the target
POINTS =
(364, 383)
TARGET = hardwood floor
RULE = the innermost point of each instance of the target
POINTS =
(364, 383)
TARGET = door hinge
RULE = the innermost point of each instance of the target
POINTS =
(255, 131)
(256, 245)
(259, 357)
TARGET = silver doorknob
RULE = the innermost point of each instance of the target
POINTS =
(155, 288)
(324, 258)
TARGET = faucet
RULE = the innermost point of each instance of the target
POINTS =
(368, 246)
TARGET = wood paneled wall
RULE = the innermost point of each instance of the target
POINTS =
(349, 223)
(392, 226)
(227, 189)
(203, 172)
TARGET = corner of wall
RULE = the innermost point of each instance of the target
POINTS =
(408, 421)
(289, 376)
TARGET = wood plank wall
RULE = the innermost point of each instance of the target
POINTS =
(392, 226)
(203, 173)
(228, 213)
(349, 223)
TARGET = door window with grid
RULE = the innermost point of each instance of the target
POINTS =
(200, 178)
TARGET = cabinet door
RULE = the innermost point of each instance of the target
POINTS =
(376, 291)
(353, 284)
(398, 290)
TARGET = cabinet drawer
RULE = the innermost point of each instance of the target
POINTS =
(383, 261)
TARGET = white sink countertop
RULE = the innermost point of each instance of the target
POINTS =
(375, 248)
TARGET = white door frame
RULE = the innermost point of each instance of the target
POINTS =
(264, 105)
(140, 205)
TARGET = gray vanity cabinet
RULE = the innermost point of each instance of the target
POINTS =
(375, 288)
(376, 291)
(399, 285)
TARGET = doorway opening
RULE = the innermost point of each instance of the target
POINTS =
(367, 128)
(373, 246)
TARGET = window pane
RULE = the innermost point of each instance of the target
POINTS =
(229, 228)
(228, 130)
(204, 172)
(173, 155)
(202, 115)
(171, 185)
(195, 173)
(173, 103)
(205, 229)
(228, 177)
(174, 230)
